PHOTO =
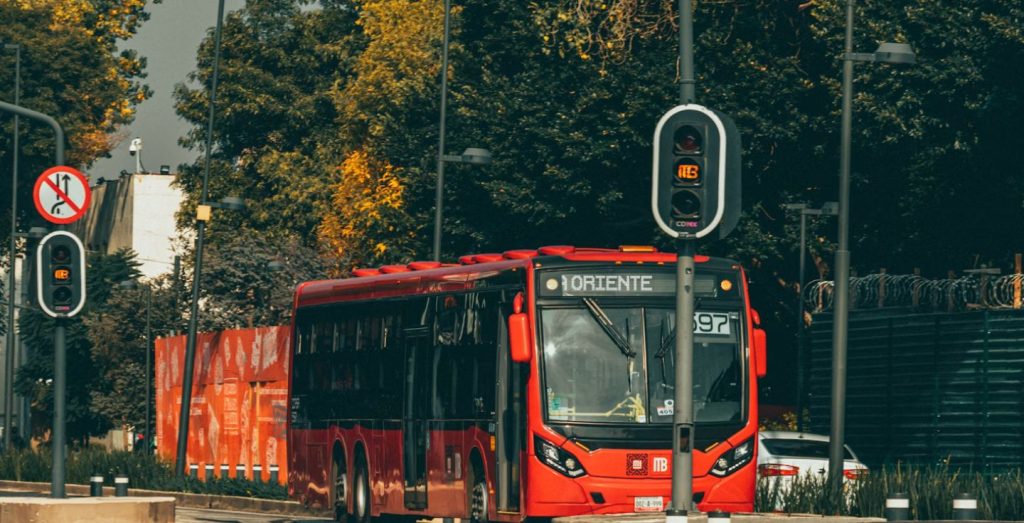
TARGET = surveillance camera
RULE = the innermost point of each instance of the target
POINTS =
(135, 146)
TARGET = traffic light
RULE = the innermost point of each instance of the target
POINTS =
(696, 173)
(60, 269)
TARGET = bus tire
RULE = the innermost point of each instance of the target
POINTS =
(361, 492)
(477, 496)
(339, 483)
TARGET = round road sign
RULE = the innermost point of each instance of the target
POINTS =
(62, 194)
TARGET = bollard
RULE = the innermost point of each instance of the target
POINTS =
(96, 485)
(257, 473)
(717, 516)
(897, 507)
(274, 475)
(209, 472)
(239, 471)
(121, 485)
(225, 471)
(965, 507)
(193, 471)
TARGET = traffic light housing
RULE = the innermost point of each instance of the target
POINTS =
(696, 173)
(60, 274)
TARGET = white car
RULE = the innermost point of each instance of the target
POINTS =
(783, 456)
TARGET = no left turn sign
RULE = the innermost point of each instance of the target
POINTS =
(62, 194)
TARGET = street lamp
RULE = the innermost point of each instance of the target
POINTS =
(472, 155)
(132, 284)
(830, 209)
(203, 214)
(886, 53)
(9, 343)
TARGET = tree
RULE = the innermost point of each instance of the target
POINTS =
(71, 69)
(275, 117)
(241, 289)
(117, 334)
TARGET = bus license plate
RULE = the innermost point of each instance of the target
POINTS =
(648, 504)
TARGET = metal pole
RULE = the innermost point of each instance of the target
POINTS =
(687, 85)
(59, 395)
(25, 414)
(190, 346)
(842, 279)
(9, 342)
(60, 365)
(149, 369)
(800, 332)
(682, 419)
(439, 195)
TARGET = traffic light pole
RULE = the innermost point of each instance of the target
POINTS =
(59, 356)
(682, 417)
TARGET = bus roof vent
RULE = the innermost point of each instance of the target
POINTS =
(359, 273)
(391, 269)
(423, 265)
(520, 254)
(484, 258)
(467, 259)
(557, 250)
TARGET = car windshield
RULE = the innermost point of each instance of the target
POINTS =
(604, 363)
(800, 448)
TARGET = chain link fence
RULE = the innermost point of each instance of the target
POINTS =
(981, 290)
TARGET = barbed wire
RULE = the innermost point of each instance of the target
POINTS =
(972, 291)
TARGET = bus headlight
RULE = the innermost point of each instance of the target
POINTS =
(734, 459)
(558, 459)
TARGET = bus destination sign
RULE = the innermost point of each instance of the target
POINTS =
(619, 283)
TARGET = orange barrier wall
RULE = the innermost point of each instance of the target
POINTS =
(239, 409)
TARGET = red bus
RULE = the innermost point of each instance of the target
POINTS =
(533, 383)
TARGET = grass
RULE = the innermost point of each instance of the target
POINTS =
(931, 490)
(143, 471)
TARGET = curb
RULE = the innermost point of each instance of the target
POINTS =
(184, 499)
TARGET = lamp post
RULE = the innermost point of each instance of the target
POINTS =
(887, 53)
(471, 155)
(828, 208)
(131, 284)
(203, 214)
(9, 343)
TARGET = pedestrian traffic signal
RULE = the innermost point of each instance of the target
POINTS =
(696, 173)
(60, 265)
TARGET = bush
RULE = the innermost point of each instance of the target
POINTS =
(143, 471)
(931, 490)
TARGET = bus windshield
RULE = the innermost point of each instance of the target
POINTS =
(611, 364)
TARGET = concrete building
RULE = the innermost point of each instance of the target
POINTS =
(137, 212)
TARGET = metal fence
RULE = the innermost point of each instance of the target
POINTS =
(968, 292)
(927, 387)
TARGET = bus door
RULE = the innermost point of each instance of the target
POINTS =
(415, 439)
(511, 421)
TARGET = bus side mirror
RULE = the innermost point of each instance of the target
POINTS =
(760, 352)
(519, 337)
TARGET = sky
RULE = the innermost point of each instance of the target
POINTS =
(169, 41)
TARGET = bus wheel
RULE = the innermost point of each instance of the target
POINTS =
(339, 475)
(361, 493)
(478, 497)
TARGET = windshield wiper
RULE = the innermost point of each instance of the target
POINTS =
(608, 327)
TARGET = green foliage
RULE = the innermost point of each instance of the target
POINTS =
(239, 288)
(931, 490)
(143, 471)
